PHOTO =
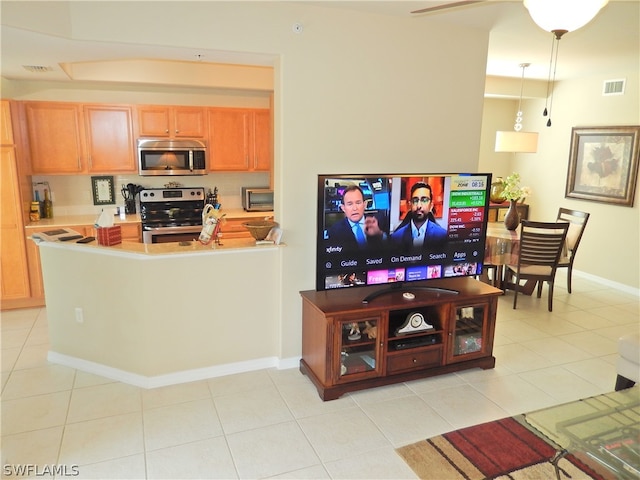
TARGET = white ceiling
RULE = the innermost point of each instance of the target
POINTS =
(611, 39)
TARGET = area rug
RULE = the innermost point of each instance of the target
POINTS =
(503, 449)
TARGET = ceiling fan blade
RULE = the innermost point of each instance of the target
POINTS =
(447, 5)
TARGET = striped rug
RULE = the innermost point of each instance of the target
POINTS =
(503, 449)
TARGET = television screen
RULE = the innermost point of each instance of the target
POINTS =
(381, 229)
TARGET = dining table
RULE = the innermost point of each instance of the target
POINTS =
(502, 248)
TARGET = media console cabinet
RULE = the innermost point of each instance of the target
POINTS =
(348, 345)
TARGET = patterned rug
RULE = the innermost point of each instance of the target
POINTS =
(503, 449)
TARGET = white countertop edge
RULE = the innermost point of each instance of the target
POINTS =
(109, 251)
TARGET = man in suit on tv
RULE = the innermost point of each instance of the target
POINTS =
(355, 231)
(419, 229)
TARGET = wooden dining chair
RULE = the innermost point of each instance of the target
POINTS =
(577, 223)
(541, 245)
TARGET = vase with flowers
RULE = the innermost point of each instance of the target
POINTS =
(514, 193)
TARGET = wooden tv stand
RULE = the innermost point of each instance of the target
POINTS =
(337, 361)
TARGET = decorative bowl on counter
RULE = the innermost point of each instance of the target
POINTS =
(259, 229)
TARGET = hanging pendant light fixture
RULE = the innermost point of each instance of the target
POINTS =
(517, 141)
(560, 17)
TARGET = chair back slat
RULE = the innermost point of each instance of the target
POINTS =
(541, 242)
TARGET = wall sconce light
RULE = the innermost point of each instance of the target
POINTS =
(517, 141)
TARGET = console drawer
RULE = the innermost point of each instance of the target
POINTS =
(415, 360)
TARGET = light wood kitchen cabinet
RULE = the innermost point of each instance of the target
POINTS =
(55, 137)
(239, 139)
(109, 138)
(71, 138)
(14, 275)
(171, 122)
(13, 259)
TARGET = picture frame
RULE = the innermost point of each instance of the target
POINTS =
(603, 164)
(103, 190)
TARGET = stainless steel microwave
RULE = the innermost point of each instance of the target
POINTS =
(257, 199)
(164, 157)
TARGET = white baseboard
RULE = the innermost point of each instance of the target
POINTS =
(608, 283)
(170, 378)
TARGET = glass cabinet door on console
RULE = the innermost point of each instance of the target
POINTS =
(469, 332)
(358, 348)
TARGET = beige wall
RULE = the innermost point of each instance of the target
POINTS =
(354, 93)
(610, 249)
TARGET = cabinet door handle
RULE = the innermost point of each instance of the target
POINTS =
(415, 360)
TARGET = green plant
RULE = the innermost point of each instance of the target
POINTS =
(512, 189)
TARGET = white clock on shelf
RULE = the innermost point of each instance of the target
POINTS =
(414, 322)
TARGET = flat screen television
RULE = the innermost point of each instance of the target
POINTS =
(394, 229)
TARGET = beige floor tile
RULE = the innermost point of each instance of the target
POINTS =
(345, 435)
(104, 401)
(381, 464)
(39, 447)
(600, 371)
(103, 439)
(14, 338)
(374, 395)
(208, 458)
(315, 472)
(33, 356)
(9, 358)
(462, 406)
(303, 400)
(269, 451)
(561, 384)
(406, 420)
(439, 382)
(173, 394)
(242, 382)
(34, 413)
(124, 468)
(38, 336)
(84, 379)
(592, 343)
(513, 394)
(18, 319)
(38, 381)
(520, 330)
(240, 411)
(181, 423)
(556, 350)
(516, 358)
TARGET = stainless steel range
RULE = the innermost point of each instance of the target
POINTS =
(171, 214)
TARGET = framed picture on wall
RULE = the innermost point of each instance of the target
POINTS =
(103, 191)
(603, 164)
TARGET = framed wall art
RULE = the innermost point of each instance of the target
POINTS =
(103, 191)
(603, 164)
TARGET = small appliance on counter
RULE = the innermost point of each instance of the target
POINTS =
(129, 193)
(257, 199)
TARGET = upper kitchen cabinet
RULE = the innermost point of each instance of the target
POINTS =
(240, 139)
(6, 131)
(69, 138)
(171, 122)
(55, 138)
(109, 138)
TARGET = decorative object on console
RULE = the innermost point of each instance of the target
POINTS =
(414, 323)
(603, 164)
(259, 229)
(514, 193)
(497, 187)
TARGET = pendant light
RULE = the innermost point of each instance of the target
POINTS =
(517, 141)
(560, 17)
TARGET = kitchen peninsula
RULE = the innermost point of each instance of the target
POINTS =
(159, 314)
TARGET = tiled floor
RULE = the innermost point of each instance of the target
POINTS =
(272, 424)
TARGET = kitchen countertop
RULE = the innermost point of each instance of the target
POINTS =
(127, 248)
(70, 220)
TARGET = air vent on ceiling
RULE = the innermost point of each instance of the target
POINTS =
(37, 68)
(613, 87)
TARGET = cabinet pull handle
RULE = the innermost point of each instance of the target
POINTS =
(166, 131)
(415, 360)
(177, 131)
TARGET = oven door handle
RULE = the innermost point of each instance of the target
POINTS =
(185, 228)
